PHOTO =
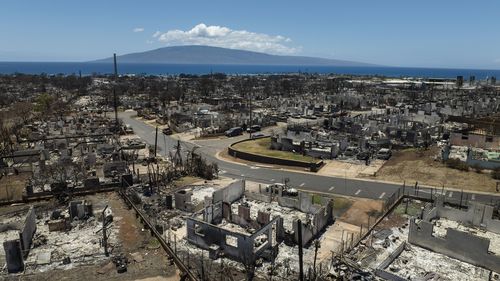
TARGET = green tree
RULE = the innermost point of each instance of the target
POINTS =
(44, 104)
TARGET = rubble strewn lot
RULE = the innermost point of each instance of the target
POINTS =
(77, 252)
(84, 197)
(414, 262)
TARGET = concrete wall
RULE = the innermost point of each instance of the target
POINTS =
(27, 231)
(258, 196)
(319, 221)
(394, 255)
(477, 214)
(303, 202)
(218, 240)
(484, 164)
(474, 140)
(182, 199)
(380, 270)
(456, 244)
(13, 256)
(213, 213)
(16, 250)
(230, 193)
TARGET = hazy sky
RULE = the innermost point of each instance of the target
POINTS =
(437, 33)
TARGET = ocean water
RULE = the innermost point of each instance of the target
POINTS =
(172, 69)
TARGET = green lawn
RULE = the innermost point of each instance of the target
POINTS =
(262, 147)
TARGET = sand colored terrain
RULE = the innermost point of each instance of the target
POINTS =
(419, 165)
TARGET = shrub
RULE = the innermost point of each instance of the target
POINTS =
(457, 164)
(477, 168)
(496, 174)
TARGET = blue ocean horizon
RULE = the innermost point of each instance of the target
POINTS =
(88, 68)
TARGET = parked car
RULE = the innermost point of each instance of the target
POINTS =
(351, 151)
(167, 131)
(258, 135)
(253, 129)
(363, 155)
(236, 131)
(128, 129)
(384, 154)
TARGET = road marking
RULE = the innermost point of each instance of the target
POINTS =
(473, 197)
(242, 175)
(381, 195)
(331, 188)
(450, 194)
(357, 192)
(272, 180)
(302, 184)
(222, 172)
(253, 167)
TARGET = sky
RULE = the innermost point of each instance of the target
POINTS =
(423, 33)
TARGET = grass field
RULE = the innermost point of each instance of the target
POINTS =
(261, 147)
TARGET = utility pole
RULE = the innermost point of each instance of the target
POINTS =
(114, 91)
(301, 263)
(317, 245)
(104, 232)
(250, 106)
(156, 140)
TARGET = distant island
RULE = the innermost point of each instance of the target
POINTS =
(215, 55)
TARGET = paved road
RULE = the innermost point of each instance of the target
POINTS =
(305, 181)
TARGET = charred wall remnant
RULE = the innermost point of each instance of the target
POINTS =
(230, 193)
(456, 244)
(477, 214)
(80, 209)
(183, 200)
(241, 247)
(321, 217)
(17, 250)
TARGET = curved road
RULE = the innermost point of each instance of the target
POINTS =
(300, 180)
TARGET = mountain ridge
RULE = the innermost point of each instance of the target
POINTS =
(198, 54)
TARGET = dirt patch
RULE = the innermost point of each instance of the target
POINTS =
(413, 165)
(360, 210)
(350, 170)
(187, 180)
(130, 232)
(144, 262)
(12, 186)
(154, 265)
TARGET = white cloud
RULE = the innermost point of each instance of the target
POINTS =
(138, 29)
(220, 36)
